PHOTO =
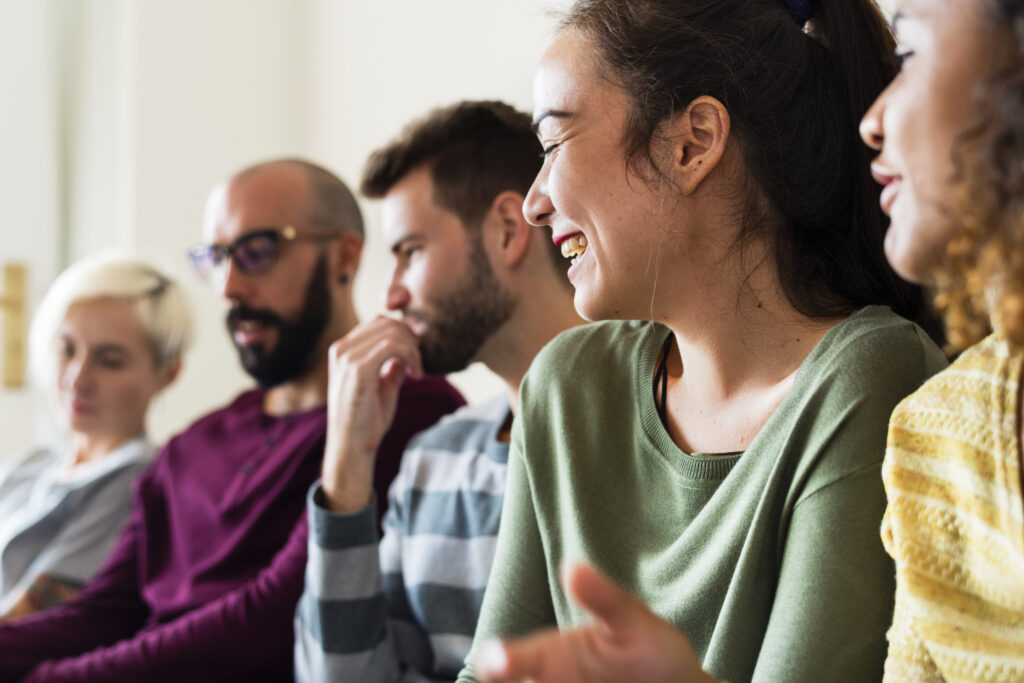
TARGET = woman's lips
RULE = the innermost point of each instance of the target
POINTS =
(573, 245)
(891, 184)
(888, 195)
(81, 408)
(558, 239)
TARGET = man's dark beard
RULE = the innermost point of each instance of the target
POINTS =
(297, 339)
(465, 317)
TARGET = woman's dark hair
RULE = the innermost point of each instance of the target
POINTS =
(795, 94)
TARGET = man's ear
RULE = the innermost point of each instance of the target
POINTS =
(697, 137)
(346, 250)
(508, 229)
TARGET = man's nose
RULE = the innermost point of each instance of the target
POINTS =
(396, 298)
(231, 282)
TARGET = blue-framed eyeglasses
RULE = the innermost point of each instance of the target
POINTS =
(254, 252)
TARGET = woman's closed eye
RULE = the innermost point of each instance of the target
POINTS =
(903, 54)
(112, 360)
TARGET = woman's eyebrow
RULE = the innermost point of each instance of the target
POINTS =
(535, 126)
(110, 348)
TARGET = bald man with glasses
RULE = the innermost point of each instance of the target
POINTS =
(203, 583)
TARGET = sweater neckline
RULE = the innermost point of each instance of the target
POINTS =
(712, 467)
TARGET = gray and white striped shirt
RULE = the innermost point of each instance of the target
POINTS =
(405, 609)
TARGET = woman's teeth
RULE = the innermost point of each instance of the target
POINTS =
(574, 247)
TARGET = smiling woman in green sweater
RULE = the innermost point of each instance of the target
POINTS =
(719, 460)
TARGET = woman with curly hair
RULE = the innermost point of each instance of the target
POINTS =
(950, 135)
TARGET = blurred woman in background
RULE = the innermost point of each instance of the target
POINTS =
(107, 338)
(949, 132)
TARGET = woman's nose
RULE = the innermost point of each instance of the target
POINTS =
(537, 207)
(871, 128)
(76, 376)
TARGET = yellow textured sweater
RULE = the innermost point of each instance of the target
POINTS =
(955, 523)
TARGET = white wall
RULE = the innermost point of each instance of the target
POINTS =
(165, 97)
(127, 111)
(29, 179)
(376, 65)
(214, 89)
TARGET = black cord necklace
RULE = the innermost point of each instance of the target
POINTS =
(661, 381)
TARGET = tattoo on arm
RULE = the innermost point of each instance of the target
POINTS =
(43, 593)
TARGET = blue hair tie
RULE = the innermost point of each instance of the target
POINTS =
(801, 9)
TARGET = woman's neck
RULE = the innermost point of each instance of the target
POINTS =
(734, 360)
(89, 447)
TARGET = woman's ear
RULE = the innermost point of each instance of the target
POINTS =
(697, 138)
(169, 373)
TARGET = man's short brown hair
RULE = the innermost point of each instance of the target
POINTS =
(473, 150)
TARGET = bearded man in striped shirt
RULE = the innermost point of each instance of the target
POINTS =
(473, 281)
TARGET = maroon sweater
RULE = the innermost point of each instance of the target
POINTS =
(203, 583)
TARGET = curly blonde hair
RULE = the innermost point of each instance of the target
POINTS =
(981, 286)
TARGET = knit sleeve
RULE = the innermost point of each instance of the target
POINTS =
(908, 658)
(518, 596)
(835, 586)
(833, 598)
(250, 624)
(341, 624)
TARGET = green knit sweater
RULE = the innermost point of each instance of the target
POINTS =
(769, 560)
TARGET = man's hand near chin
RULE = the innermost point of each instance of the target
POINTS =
(367, 368)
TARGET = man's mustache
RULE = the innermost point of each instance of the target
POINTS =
(241, 312)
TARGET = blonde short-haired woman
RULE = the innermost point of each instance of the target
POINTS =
(107, 338)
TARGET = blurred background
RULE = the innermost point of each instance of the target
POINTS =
(119, 115)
